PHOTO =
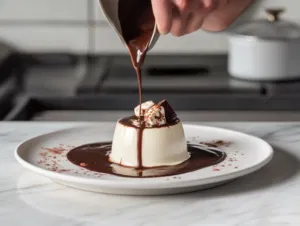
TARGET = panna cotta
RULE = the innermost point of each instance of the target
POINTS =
(152, 140)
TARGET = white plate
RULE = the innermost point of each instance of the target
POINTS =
(245, 155)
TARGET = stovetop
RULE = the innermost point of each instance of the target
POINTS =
(161, 74)
(192, 83)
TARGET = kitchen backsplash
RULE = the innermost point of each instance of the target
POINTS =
(78, 26)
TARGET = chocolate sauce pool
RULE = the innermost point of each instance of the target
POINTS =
(95, 157)
(137, 24)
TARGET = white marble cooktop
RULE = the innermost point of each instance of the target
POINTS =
(268, 197)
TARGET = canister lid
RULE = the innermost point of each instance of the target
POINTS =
(270, 28)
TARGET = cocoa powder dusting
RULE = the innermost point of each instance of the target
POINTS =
(83, 164)
(51, 158)
(217, 144)
(57, 151)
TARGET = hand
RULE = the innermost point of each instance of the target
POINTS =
(182, 17)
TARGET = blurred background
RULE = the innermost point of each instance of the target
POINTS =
(61, 61)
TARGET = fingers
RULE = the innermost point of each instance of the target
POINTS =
(225, 15)
(185, 7)
(222, 3)
(162, 10)
(208, 3)
(198, 16)
(182, 13)
(179, 25)
(182, 17)
(195, 23)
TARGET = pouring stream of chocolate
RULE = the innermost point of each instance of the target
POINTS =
(137, 24)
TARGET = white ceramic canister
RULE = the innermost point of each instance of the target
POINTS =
(265, 49)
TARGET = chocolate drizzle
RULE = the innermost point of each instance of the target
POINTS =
(95, 158)
(134, 121)
(137, 24)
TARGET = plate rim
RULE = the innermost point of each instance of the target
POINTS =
(132, 184)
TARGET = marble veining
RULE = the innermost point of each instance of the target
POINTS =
(268, 197)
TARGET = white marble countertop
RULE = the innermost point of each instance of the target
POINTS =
(270, 196)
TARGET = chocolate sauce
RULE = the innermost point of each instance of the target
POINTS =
(95, 157)
(137, 25)
(133, 121)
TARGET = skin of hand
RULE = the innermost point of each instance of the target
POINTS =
(181, 17)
